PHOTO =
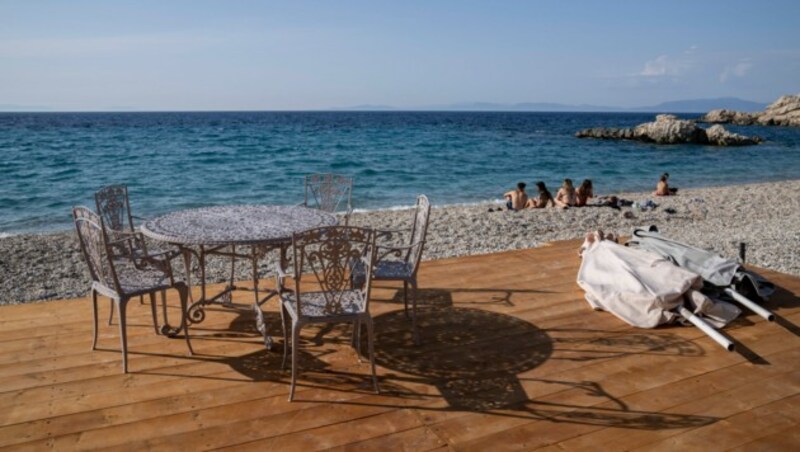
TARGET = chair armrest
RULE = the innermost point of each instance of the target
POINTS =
(124, 236)
(379, 233)
(384, 251)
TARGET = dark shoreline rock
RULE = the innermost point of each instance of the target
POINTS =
(668, 129)
(783, 112)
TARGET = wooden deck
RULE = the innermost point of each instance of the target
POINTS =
(512, 358)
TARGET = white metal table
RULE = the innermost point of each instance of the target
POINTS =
(218, 230)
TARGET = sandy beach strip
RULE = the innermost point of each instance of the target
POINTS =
(765, 216)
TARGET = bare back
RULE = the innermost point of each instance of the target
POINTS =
(662, 189)
(518, 199)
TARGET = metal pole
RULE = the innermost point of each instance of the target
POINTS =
(746, 302)
(726, 343)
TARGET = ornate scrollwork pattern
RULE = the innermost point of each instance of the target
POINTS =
(112, 205)
(331, 254)
(328, 191)
(196, 312)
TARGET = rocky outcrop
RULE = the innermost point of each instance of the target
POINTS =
(668, 129)
(730, 117)
(718, 136)
(783, 112)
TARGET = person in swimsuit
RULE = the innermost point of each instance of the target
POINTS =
(516, 199)
(543, 199)
(583, 193)
(565, 197)
(662, 188)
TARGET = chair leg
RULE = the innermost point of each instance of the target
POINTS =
(286, 343)
(111, 314)
(183, 293)
(123, 337)
(228, 299)
(295, 347)
(414, 331)
(255, 273)
(154, 312)
(355, 332)
(164, 306)
(357, 338)
(405, 297)
(94, 317)
(371, 347)
(141, 299)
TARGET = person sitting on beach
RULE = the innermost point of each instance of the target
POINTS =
(517, 199)
(662, 188)
(583, 193)
(565, 197)
(543, 199)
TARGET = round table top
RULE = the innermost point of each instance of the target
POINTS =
(235, 225)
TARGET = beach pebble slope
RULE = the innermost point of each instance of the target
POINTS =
(50, 266)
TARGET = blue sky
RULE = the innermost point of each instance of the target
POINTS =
(261, 55)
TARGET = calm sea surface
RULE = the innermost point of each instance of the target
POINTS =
(52, 161)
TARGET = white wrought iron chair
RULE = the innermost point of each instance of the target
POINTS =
(327, 192)
(114, 209)
(396, 262)
(327, 254)
(122, 281)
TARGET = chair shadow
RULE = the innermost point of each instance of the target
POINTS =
(442, 298)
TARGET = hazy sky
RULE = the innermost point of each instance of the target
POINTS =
(243, 55)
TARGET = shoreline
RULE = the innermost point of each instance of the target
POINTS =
(498, 202)
(43, 266)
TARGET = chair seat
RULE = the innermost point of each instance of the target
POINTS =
(384, 270)
(134, 281)
(313, 304)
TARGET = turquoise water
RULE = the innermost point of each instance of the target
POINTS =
(52, 161)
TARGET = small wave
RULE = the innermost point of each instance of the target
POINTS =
(5, 235)
(438, 206)
(382, 209)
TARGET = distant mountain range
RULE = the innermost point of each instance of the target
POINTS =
(678, 106)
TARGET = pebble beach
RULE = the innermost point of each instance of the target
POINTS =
(765, 216)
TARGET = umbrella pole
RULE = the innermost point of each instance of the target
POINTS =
(746, 302)
(726, 343)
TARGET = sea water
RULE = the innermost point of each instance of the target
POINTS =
(52, 161)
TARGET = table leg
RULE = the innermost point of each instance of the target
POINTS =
(196, 312)
(187, 265)
(261, 324)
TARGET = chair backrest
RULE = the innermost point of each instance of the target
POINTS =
(329, 255)
(327, 191)
(114, 208)
(419, 230)
(94, 245)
